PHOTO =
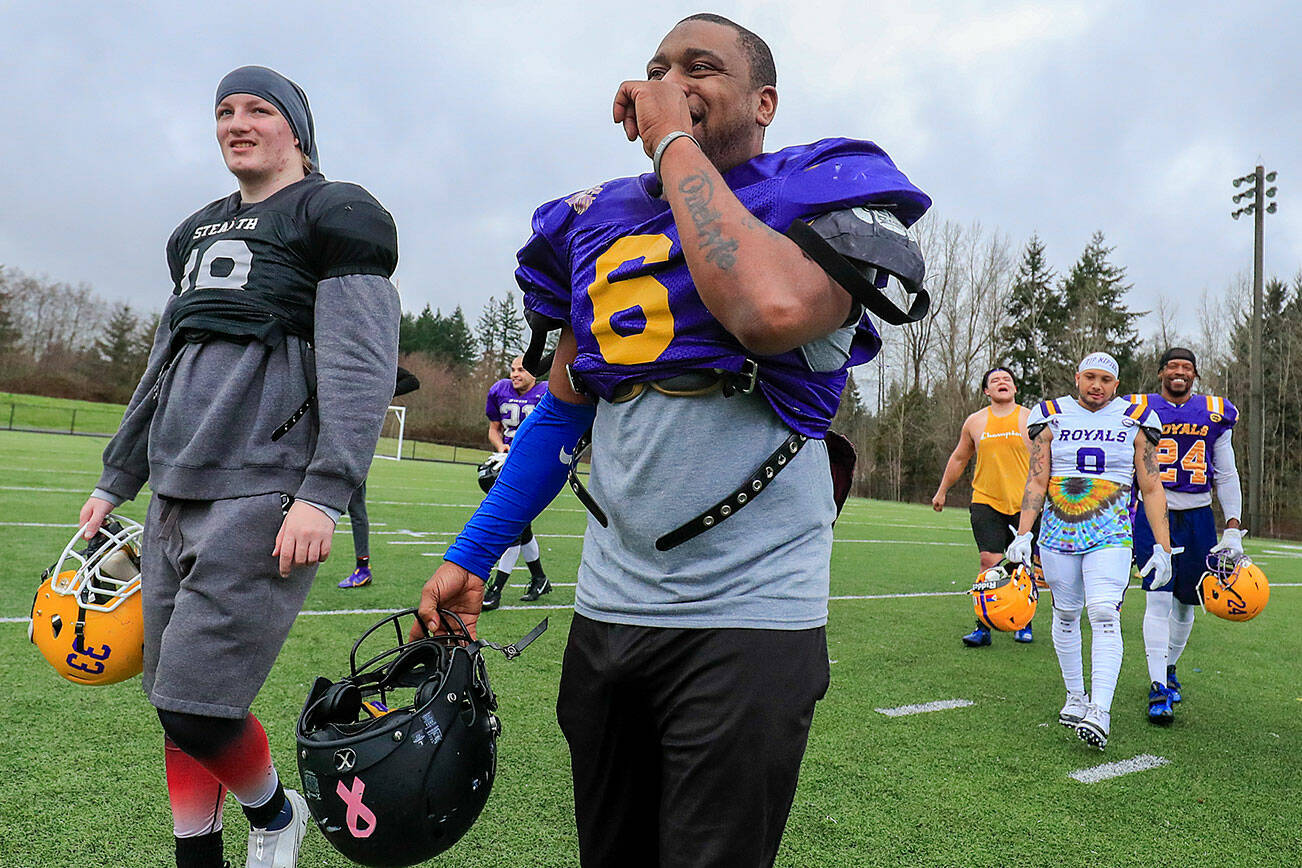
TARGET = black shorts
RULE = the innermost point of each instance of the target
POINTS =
(684, 744)
(990, 527)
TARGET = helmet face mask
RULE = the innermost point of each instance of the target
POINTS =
(1233, 588)
(398, 758)
(87, 619)
(1004, 597)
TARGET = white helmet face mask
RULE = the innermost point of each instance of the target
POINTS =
(107, 569)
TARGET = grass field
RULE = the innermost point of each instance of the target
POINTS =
(81, 778)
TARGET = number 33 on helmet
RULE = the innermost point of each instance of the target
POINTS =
(86, 617)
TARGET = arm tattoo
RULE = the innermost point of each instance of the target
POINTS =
(698, 192)
(1150, 460)
(1033, 501)
(1037, 457)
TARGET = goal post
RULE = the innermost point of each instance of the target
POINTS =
(390, 445)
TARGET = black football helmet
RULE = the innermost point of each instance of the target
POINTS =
(397, 759)
(489, 469)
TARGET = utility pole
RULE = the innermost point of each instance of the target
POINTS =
(1257, 442)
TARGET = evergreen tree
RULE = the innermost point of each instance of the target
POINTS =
(1038, 318)
(460, 340)
(500, 330)
(1094, 292)
(118, 352)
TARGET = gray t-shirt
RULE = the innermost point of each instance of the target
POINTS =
(659, 461)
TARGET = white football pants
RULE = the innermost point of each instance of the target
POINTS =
(1095, 581)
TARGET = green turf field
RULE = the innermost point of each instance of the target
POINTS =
(81, 776)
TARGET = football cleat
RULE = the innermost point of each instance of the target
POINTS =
(1233, 588)
(279, 849)
(1023, 635)
(87, 619)
(1073, 710)
(493, 593)
(978, 638)
(1159, 704)
(1173, 684)
(537, 587)
(360, 578)
(1093, 727)
(1004, 596)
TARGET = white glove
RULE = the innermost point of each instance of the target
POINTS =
(1160, 566)
(1019, 551)
(1231, 542)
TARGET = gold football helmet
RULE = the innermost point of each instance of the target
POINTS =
(1004, 597)
(86, 618)
(1233, 588)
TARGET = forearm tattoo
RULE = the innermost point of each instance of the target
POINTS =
(698, 193)
(1032, 500)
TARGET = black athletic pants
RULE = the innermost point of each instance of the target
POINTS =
(685, 745)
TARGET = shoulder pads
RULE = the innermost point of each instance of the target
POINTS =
(860, 248)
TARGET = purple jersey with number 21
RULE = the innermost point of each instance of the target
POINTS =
(608, 262)
(509, 407)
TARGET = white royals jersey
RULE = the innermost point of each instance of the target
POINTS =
(1098, 443)
(1092, 460)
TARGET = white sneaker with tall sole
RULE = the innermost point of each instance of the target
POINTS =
(279, 849)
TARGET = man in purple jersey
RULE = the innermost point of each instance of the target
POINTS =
(698, 335)
(1194, 454)
(510, 401)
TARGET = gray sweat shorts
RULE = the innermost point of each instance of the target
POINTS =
(216, 609)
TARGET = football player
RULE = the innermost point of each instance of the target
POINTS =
(358, 519)
(1084, 452)
(510, 401)
(692, 325)
(997, 436)
(1194, 453)
(255, 420)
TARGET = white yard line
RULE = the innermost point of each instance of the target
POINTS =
(940, 705)
(839, 597)
(1107, 771)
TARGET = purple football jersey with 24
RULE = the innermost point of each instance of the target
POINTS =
(608, 261)
(1189, 430)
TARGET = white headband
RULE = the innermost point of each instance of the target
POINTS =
(1099, 362)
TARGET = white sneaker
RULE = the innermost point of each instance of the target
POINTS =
(1093, 727)
(279, 849)
(1074, 709)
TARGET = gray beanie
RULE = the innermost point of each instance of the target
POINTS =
(280, 92)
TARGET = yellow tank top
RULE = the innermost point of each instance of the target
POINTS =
(1001, 463)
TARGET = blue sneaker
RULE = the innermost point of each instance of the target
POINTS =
(360, 578)
(1023, 635)
(1159, 704)
(1172, 684)
(978, 637)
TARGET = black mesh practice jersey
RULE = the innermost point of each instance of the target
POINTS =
(235, 264)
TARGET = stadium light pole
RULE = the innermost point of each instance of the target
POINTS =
(1257, 444)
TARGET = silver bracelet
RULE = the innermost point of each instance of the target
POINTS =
(664, 143)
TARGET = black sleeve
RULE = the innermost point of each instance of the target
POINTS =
(174, 263)
(352, 233)
(407, 382)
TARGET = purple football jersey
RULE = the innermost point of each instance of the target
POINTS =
(1189, 431)
(608, 262)
(509, 407)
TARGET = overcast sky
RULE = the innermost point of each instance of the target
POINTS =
(1057, 117)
